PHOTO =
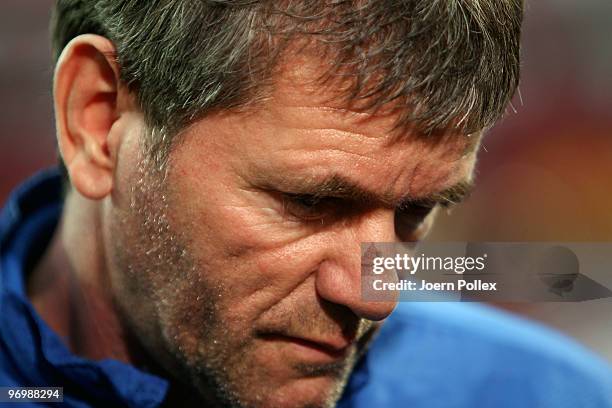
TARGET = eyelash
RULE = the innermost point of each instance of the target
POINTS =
(307, 207)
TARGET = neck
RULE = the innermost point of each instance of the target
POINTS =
(69, 288)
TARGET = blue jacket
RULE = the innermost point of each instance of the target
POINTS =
(446, 355)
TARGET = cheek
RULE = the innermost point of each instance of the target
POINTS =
(219, 211)
(238, 241)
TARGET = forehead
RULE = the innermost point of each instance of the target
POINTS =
(309, 128)
(303, 132)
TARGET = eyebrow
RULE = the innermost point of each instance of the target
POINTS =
(337, 186)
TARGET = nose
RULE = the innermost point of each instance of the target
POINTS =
(338, 279)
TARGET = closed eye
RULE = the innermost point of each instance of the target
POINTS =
(409, 217)
(309, 207)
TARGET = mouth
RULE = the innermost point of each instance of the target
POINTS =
(323, 349)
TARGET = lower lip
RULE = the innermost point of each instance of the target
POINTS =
(308, 350)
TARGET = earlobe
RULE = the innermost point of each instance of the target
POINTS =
(85, 94)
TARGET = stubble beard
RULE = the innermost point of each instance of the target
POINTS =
(181, 326)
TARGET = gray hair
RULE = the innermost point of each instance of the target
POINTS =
(443, 63)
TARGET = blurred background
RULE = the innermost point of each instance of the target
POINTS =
(544, 173)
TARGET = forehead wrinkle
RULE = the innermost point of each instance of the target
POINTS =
(334, 183)
(303, 81)
(345, 151)
(343, 121)
(299, 86)
(371, 127)
(339, 118)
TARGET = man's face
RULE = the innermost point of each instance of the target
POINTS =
(238, 266)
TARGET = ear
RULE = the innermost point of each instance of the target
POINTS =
(85, 91)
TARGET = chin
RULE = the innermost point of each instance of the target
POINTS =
(274, 380)
(297, 376)
(320, 392)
